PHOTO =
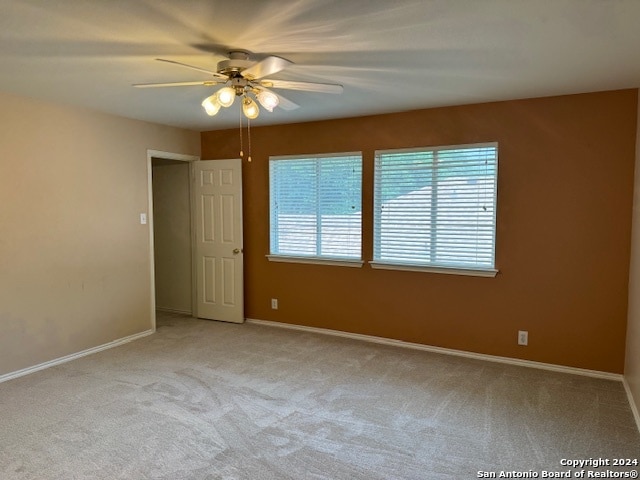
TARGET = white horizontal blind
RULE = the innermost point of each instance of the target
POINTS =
(315, 206)
(436, 207)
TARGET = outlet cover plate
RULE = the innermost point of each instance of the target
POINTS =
(523, 337)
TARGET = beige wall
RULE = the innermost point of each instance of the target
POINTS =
(74, 259)
(172, 235)
(632, 364)
(565, 190)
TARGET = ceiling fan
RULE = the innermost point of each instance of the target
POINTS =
(245, 78)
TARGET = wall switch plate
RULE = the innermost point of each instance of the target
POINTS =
(274, 303)
(523, 337)
(143, 219)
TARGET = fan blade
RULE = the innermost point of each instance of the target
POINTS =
(305, 86)
(198, 69)
(207, 83)
(266, 67)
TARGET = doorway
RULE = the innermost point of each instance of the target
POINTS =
(170, 158)
(195, 236)
(172, 238)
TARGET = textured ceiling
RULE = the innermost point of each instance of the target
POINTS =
(389, 55)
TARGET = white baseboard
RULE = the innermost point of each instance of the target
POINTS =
(173, 310)
(632, 403)
(73, 356)
(445, 351)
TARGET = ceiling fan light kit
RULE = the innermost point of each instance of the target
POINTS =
(241, 84)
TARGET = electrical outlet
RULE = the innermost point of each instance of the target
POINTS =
(274, 303)
(523, 337)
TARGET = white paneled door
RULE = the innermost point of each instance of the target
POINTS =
(218, 252)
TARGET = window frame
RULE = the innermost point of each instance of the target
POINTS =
(314, 259)
(461, 269)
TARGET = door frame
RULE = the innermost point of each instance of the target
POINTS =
(151, 154)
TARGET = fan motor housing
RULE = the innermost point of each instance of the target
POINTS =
(231, 66)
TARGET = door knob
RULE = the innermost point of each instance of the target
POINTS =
(236, 251)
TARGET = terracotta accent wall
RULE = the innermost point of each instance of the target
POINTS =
(565, 187)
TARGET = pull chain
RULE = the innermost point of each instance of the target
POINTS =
(241, 152)
(249, 138)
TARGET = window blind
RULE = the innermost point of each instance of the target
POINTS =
(436, 206)
(315, 206)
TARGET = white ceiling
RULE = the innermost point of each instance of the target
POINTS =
(389, 55)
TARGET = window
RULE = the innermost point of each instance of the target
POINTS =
(315, 208)
(435, 209)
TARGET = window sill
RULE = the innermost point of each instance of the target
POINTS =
(471, 272)
(337, 262)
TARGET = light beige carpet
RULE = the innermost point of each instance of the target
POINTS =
(208, 400)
